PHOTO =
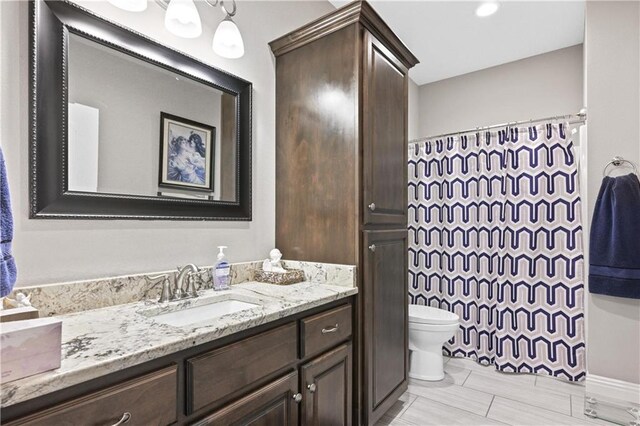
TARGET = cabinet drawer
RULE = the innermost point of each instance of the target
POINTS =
(148, 400)
(325, 330)
(215, 375)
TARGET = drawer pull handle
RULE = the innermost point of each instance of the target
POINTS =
(372, 207)
(312, 387)
(372, 247)
(125, 419)
(330, 330)
(297, 397)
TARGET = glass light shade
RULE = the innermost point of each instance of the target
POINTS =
(130, 5)
(182, 19)
(487, 9)
(227, 41)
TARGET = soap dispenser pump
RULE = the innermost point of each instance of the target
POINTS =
(221, 271)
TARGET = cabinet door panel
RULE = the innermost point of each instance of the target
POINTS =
(327, 389)
(385, 296)
(272, 404)
(384, 136)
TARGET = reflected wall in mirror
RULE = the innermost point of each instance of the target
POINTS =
(144, 132)
(115, 135)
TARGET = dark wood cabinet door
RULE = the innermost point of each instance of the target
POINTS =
(317, 162)
(385, 328)
(327, 389)
(273, 404)
(384, 129)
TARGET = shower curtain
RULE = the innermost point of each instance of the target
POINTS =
(495, 236)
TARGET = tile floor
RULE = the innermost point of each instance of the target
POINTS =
(473, 395)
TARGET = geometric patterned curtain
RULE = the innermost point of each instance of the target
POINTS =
(495, 236)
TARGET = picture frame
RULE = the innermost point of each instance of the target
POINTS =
(187, 154)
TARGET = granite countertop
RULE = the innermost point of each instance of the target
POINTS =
(101, 341)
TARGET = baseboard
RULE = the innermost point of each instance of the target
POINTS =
(613, 388)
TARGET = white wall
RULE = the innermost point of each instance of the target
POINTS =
(612, 68)
(54, 250)
(414, 110)
(536, 87)
(130, 102)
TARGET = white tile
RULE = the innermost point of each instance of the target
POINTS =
(558, 385)
(425, 412)
(455, 374)
(517, 413)
(518, 379)
(577, 406)
(500, 385)
(400, 405)
(454, 395)
(392, 421)
(469, 364)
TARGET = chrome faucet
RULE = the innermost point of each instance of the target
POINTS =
(180, 292)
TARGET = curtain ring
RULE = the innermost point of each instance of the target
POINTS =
(224, 9)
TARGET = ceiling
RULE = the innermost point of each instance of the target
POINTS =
(449, 39)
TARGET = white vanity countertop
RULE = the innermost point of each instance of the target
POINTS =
(100, 341)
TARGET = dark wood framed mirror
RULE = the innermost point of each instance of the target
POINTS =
(100, 98)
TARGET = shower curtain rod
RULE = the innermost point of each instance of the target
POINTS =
(581, 118)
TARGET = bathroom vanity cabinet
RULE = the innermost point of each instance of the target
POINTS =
(296, 370)
(341, 178)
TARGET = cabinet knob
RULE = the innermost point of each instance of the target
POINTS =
(297, 397)
(372, 207)
(125, 419)
(372, 247)
(312, 387)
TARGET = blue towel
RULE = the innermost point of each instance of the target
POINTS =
(615, 239)
(8, 270)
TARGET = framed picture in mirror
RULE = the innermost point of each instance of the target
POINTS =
(187, 150)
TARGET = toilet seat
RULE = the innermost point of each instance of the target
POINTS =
(429, 315)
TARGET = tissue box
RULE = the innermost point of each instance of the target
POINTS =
(29, 347)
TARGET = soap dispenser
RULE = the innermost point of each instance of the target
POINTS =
(221, 272)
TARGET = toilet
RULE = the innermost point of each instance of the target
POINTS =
(429, 329)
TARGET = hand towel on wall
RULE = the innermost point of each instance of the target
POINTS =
(7, 264)
(614, 267)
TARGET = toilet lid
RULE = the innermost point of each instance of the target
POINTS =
(429, 315)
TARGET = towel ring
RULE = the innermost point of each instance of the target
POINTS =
(618, 161)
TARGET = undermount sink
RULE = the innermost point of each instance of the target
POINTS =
(182, 316)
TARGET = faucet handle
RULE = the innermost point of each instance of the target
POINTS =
(165, 294)
(152, 278)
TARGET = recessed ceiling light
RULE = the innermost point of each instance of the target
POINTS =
(487, 8)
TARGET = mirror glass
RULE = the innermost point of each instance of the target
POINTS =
(139, 129)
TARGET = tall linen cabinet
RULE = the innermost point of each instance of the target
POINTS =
(341, 179)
